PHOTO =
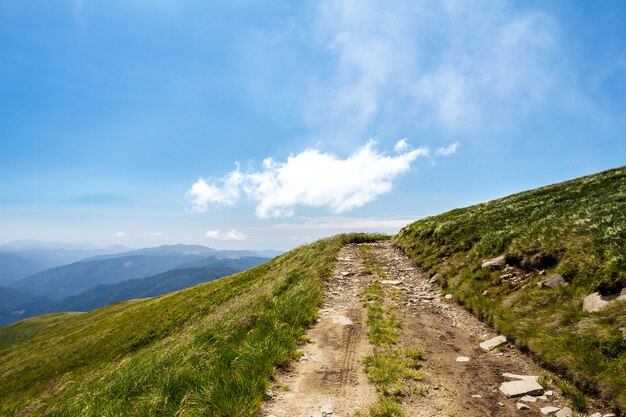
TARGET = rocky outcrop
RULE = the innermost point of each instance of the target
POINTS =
(596, 302)
(554, 282)
(524, 385)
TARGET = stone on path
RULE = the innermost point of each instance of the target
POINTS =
(497, 262)
(549, 410)
(525, 385)
(343, 320)
(327, 409)
(564, 412)
(493, 342)
(529, 399)
(462, 359)
(391, 281)
(522, 406)
(448, 297)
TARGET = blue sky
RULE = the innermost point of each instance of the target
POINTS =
(269, 124)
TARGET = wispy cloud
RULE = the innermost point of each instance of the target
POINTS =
(228, 235)
(119, 234)
(448, 150)
(311, 178)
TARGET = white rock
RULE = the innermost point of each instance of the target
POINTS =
(390, 281)
(549, 410)
(486, 292)
(493, 342)
(548, 393)
(477, 396)
(496, 262)
(343, 320)
(521, 388)
(529, 399)
(542, 398)
(448, 297)
(345, 273)
(522, 406)
(564, 412)
(594, 302)
(462, 359)
(327, 409)
(609, 415)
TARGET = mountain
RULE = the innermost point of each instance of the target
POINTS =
(15, 305)
(550, 249)
(207, 350)
(69, 280)
(14, 267)
(169, 281)
(21, 259)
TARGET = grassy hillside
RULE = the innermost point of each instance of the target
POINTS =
(207, 350)
(576, 229)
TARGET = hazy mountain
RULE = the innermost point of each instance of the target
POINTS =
(16, 305)
(14, 267)
(69, 280)
(169, 281)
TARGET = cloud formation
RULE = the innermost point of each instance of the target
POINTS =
(229, 235)
(311, 178)
(448, 150)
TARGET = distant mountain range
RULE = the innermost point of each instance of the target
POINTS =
(93, 277)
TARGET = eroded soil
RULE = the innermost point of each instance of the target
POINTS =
(329, 379)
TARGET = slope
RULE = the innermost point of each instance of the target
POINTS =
(206, 350)
(169, 281)
(575, 229)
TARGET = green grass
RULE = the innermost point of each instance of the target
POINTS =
(207, 350)
(577, 229)
(389, 367)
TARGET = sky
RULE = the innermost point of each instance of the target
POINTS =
(268, 124)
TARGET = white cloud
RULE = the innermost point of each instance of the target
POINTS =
(310, 178)
(401, 145)
(448, 150)
(229, 235)
(119, 234)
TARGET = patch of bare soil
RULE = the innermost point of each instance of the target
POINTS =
(329, 379)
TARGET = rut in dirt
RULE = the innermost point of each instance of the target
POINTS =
(329, 380)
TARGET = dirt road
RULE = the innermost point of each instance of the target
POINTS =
(329, 379)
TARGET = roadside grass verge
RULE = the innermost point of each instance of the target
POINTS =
(576, 229)
(389, 367)
(207, 350)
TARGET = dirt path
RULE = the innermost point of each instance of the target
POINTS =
(329, 380)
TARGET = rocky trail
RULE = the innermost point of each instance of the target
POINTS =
(462, 378)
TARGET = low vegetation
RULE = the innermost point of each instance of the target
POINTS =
(389, 367)
(207, 350)
(576, 229)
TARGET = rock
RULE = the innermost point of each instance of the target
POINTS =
(462, 359)
(486, 292)
(594, 302)
(434, 278)
(343, 320)
(522, 406)
(622, 295)
(549, 393)
(345, 273)
(520, 388)
(596, 415)
(317, 414)
(477, 396)
(497, 262)
(609, 415)
(327, 409)
(549, 410)
(448, 297)
(493, 342)
(529, 399)
(391, 282)
(554, 282)
(564, 412)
